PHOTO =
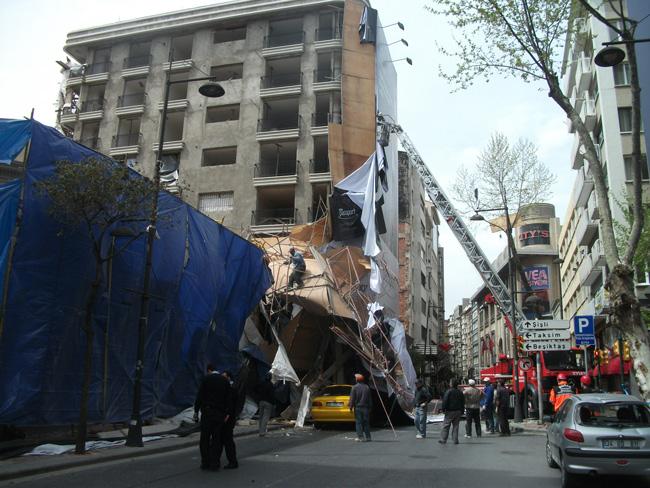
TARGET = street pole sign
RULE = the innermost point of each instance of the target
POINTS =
(547, 334)
(583, 327)
(525, 364)
(551, 345)
(539, 324)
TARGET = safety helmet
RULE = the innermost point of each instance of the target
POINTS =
(561, 377)
(487, 380)
(585, 379)
(471, 382)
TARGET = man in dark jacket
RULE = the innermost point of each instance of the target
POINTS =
(212, 401)
(453, 404)
(229, 425)
(502, 399)
(422, 398)
(361, 403)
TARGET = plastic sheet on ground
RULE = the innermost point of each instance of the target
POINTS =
(57, 449)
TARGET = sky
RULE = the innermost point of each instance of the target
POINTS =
(448, 129)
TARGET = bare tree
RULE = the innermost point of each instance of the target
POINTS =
(525, 39)
(92, 196)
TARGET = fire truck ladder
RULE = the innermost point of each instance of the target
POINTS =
(456, 224)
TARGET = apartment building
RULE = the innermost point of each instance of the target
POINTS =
(602, 96)
(421, 285)
(459, 337)
(536, 232)
(298, 113)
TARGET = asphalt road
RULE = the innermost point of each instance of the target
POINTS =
(331, 458)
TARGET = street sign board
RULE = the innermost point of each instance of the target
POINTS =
(546, 346)
(539, 324)
(545, 335)
(583, 327)
(525, 364)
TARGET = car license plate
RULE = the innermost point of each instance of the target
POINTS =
(620, 444)
(334, 404)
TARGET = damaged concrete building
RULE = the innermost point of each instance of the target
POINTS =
(303, 82)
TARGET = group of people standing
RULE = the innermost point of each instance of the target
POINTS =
(471, 401)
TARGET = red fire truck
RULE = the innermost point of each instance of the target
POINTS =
(571, 363)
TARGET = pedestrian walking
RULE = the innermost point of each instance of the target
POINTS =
(266, 400)
(487, 403)
(229, 424)
(473, 397)
(212, 401)
(422, 399)
(453, 404)
(502, 399)
(361, 403)
(299, 267)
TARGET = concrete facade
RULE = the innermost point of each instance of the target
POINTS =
(603, 97)
(421, 285)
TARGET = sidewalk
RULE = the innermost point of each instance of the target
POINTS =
(22, 466)
(528, 426)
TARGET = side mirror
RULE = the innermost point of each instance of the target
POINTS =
(548, 418)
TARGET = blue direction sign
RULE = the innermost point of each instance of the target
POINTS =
(583, 328)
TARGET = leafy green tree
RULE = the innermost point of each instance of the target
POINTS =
(93, 196)
(525, 39)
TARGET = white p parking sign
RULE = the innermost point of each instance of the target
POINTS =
(583, 328)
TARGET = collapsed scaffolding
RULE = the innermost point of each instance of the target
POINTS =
(334, 289)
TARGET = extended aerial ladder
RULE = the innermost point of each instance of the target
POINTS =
(456, 224)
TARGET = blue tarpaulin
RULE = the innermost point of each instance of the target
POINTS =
(205, 281)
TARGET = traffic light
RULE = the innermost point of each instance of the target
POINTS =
(626, 351)
(604, 356)
(520, 344)
(596, 358)
(615, 349)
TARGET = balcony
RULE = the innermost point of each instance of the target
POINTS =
(124, 144)
(169, 146)
(328, 38)
(97, 72)
(283, 44)
(69, 115)
(270, 173)
(577, 159)
(319, 171)
(287, 128)
(175, 105)
(598, 253)
(180, 65)
(273, 221)
(592, 207)
(583, 73)
(132, 104)
(586, 229)
(602, 303)
(326, 80)
(583, 186)
(588, 113)
(281, 84)
(92, 109)
(320, 121)
(588, 271)
(135, 66)
(91, 142)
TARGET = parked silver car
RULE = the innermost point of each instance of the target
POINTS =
(600, 434)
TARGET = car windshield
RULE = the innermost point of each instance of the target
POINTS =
(564, 360)
(613, 414)
(335, 391)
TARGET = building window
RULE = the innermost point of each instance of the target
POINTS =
(220, 156)
(423, 331)
(216, 202)
(221, 113)
(622, 74)
(227, 72)
(625, 119)
(628, 167)
(237, 33)
(423, 279)
(424, 307)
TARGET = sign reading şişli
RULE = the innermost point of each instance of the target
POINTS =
(546, 346)
(546, 335)
(539, 324)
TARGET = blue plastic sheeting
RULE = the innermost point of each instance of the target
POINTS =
(205, 281)
(14, 134)
(9, 194)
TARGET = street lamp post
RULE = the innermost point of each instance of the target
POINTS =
(513, 291)
(211, 90)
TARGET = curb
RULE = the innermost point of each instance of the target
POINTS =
(118, 456)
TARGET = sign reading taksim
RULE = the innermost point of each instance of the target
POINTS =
(546, 346)
(545, 324)
(545, 335)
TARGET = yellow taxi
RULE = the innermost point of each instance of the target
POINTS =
(331, 405)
